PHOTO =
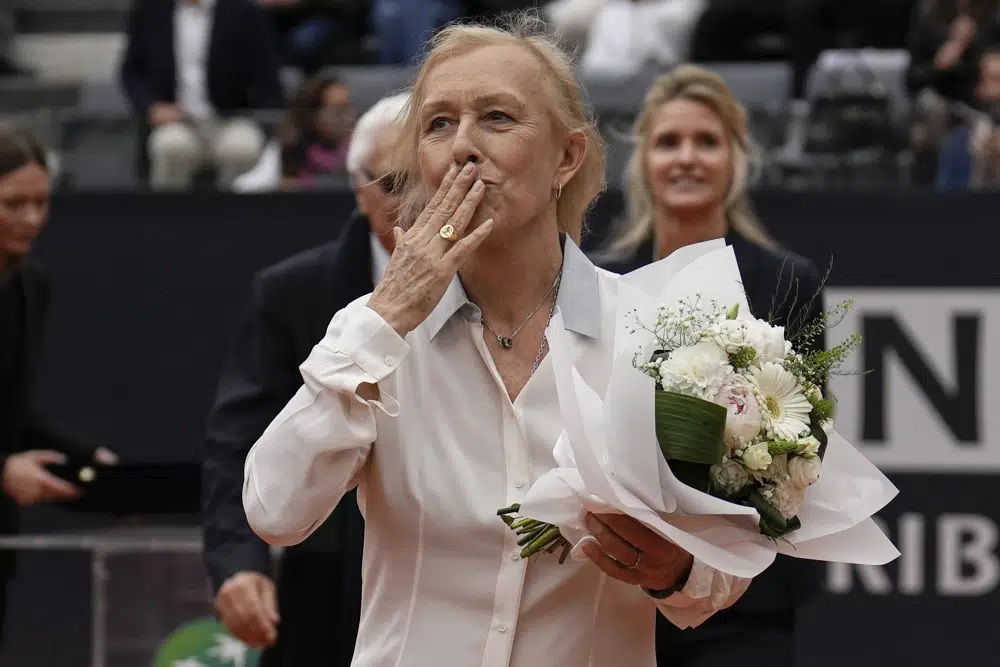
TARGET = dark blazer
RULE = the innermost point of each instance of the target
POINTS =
(755, 631)
(243, 62)
(319, 584)
(21, 425)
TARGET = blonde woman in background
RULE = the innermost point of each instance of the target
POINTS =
(686, 182)
(435, 395)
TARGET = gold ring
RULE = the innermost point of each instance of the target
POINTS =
(638, 557)
(448, 233)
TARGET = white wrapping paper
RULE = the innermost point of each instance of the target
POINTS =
(608, 458)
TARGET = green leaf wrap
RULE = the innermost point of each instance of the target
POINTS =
(690, 432)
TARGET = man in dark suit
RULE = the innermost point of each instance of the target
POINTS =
(28, 443)
(190, 69)
(760, 628)
(313, 617)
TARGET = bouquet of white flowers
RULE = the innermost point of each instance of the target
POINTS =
(740, 413)
(716, 441)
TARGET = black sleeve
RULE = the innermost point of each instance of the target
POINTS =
(259, 378)
(41, 434)
(134, 66)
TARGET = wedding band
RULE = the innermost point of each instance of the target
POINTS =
(448, 233)
(638, 557)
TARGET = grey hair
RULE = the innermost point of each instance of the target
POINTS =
(384, 116)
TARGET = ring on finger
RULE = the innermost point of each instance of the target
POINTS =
(448, 233)
(638, 557)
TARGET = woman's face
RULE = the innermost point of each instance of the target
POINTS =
(335, 116)
(688, 159)
(24, 208)
(491, 106)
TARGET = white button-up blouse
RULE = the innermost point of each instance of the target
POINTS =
(433, 459)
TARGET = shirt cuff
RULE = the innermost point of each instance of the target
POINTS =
(375, 347)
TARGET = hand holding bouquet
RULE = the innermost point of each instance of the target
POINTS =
(712, 431)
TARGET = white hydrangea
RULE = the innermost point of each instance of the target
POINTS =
(730, 476)
(698, 370)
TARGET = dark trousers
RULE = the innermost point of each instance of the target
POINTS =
(319, 601)
(759, 639)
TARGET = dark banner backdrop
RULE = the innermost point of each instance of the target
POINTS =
(147, 289)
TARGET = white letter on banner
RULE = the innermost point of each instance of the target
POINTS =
(967, 539)
(840, 579)
(911, 545)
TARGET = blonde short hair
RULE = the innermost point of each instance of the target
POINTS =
(569, 111)
(689, 82)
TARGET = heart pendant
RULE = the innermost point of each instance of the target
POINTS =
(506, 342)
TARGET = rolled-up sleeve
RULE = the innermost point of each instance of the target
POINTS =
(316, 448)
(706, 592)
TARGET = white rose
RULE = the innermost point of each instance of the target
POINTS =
(730, 476)
(697, 370)
(756, 457)
(803, 471)
(743, 419)
(769, 341)
(808, 446)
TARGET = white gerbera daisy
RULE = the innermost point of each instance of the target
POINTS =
(784, 407)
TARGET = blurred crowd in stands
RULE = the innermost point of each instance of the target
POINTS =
(257, 95)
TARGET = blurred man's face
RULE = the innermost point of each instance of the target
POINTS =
(375, 194)
(989, 79)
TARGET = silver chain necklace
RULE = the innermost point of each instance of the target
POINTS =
(545, 340)
(507, 342)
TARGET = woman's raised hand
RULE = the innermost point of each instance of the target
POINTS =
(424, 263)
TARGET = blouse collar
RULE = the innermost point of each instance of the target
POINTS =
(579, 299)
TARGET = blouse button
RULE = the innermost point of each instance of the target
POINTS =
(390, 360)
(519, 484)
(515, 556)
(501, 628)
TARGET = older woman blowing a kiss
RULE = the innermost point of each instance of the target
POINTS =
(435, 396)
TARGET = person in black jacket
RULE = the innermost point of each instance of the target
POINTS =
(192, 70)
(312, 618)
(686, 183)
(28, 443)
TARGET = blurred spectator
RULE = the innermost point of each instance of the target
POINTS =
(739, 30)
(318, 594)
(946, 43)
(315, 135)
(402, 27)
(311, 33)
(191, 68)
(626, 35)
(29, 446)
(571, 20)
(971, 154)
(7, 65)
